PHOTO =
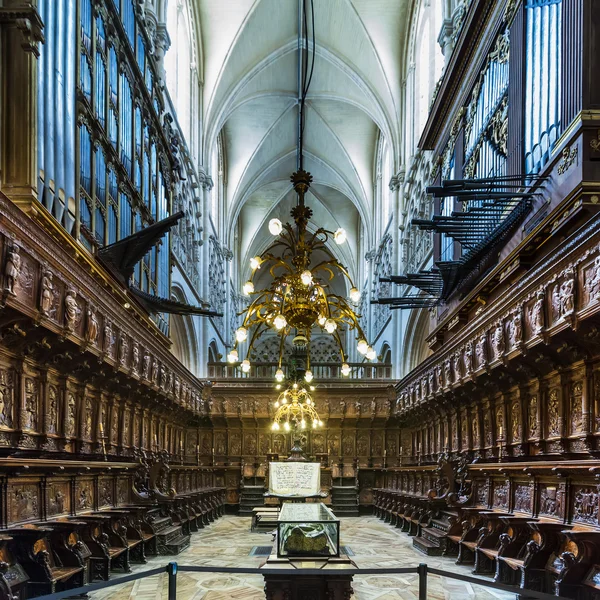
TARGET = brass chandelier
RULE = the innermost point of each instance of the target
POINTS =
(295, 409)
(298, 299)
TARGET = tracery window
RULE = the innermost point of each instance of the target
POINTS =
(543, 80)
(178, 62)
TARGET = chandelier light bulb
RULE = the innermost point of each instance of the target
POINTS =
(362, 346)
(284, 401)
(371, 354)
(295, 386)
(308, 401)
(255, 263)
(241, 334)
(275, 226)
(355, 295)
(279, 375)
(276, 405)
(275, 427)
(278, 386)
(345, 369)
(248, 288)
(306, 277)
(279, 322)
(303, 424)
(308, 376)
(340, 236)
(320, 423)
(322, 319)
(330, 326)
(232, 357)
(246, 366)
(314, 424)
(286, 426)
(312, 388)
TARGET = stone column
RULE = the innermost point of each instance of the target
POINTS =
(20, 35)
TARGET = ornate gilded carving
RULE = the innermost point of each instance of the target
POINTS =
(29, 416)
(569, 156)
(12, 269)
(576, 407)
(532, 416)
(52, 414)
(553, 414)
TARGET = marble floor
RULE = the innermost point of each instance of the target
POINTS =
(228, 542)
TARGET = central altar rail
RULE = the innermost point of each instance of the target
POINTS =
(422, 570)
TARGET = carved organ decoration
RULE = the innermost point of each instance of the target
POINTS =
(217, 282)
(486, 121)
(382, 268)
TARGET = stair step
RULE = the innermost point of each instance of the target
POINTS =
(426, 546)
(434, 532)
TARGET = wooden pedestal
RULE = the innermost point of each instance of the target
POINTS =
(325, 586)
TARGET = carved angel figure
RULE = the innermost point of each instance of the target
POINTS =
(71, 309)
(12, 269)
(46, 295)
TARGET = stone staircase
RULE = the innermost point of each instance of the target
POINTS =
(433, 538)
(170, 538)
(251, 497)
(344, 500)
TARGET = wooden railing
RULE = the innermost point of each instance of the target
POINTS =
(321, 371)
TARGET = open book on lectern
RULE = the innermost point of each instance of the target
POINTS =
(292, 479)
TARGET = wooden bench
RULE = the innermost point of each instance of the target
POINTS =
(125, 526)
(13, 577)
(47, 572)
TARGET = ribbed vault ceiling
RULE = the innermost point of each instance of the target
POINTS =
(249, 50)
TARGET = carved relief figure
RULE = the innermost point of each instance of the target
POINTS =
(468, 359)
(549, 501)
(135, 357)
(515, 329)
(12, 269)
(71, 309)
(6, 398)
(91, 334)
(123, 349)
(251, 444)
(71, 415)
(30, 414)
(533, 421)
(567, 293)
(279, 444)
(52, 415)
(586, 506)
(87, 419)
(235, 444)
(475, 430)
(553, 414)
(487, 427)
(498, 341)
(501, 495)
(439, 378)
(480, 350)
(46, 292)
(220, 443)
(109, 338)
(25, 504)
(523, 499)
(576, 408)
(448, 371)
(515, 419)
(536, 314)
(592, 281)
(146, 366)
(319, 443)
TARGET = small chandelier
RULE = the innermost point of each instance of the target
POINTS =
(295, 409)
(297, 299)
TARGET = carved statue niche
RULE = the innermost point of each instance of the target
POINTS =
(515, 419)
(71, 417)
(576, 408)
(46, 291)
(109, 338)
(567, 293)
(515, 329)
(52, 414)
(91, 332)
(448, 371)
(71, 309)
(553, 414)
(29, 419)
(146, 365)
(123, 349)
(532, 412)
(439, 378)
(468, 359)
(135, 358)
(12, 269)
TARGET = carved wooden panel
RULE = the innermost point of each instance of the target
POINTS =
(549, 503)
(523, 498)
(500, 495)
(84, 495)
(585, 504)
(59, 498)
